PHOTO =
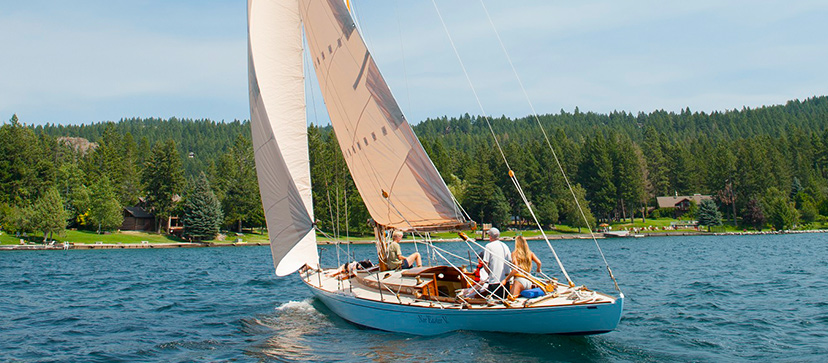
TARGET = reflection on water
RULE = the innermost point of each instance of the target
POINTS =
(309, 331)
(288, 328)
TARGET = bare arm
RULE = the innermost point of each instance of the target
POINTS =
(537, 261)
(512, 273)
(509, 276)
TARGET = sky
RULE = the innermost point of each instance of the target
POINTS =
(90, 61)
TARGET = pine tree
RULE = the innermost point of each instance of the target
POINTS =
(484, 199)
(26, 167)
(572, 212)
(163, 179)
(596, 175)
(202, 211)
(781, 212)
(629, 176)
(708, 214)
(240, 188)
(796, 188)
(105, 212)
(656, 162)
(546, 211)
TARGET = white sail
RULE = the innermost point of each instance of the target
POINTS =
(382, 152)
(279, 127)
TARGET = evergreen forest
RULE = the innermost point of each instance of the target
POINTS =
(765, 167)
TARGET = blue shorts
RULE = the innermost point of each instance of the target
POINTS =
(405, 265)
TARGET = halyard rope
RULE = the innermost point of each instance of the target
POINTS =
(548, 143)
(497, 143)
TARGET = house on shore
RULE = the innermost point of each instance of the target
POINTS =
(681, 203)
(141, 218)
(137, 219)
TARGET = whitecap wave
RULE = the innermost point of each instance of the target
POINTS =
(304, 305)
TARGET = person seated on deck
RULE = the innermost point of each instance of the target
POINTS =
(479, 272)
(344, 271)
(479, 276)
(495, 255)
(522, 258)
(394, 259)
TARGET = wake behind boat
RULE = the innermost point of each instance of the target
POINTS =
(398, 183)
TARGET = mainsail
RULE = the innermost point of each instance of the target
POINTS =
(279, 128)
(397, 181)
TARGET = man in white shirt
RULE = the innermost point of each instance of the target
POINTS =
(495, 255)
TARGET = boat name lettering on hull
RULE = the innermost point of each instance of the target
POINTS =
(426, 319)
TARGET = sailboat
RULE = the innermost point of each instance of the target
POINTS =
(399, 185)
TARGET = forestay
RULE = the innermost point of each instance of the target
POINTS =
(279, 128)
(380, 149)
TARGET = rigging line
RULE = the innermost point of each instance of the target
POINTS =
(494, 136)
(468, 79)
(328, 192)
(432, 257)
(330, 210)
(433, 248)
(338, 228)
(430, 245)
(347, 232)
(337, 242)
(402, 52)
(308, 87)
(414, 239)
(464, 275)
(554, 154)
(463, 210)
(358, 24)
(468, 279)
(338, 263)
(508, 263)
(543, 233)
(437, 249)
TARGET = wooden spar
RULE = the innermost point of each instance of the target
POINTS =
(379, 235)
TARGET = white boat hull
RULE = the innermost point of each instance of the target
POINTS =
(419, 320)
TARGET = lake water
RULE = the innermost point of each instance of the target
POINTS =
(703, 298)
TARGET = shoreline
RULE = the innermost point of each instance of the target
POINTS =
(115, 246)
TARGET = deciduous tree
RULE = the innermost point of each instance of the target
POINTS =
(48, 214)
(105, 212)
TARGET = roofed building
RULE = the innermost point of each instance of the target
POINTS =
(681, 203)
(137, 219)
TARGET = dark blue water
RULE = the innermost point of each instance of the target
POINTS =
(688, 299)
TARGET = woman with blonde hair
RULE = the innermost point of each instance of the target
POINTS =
(522, 259)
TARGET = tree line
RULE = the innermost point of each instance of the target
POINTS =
(763, 166)
(52, 178)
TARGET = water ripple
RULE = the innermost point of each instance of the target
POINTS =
(688, 299)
